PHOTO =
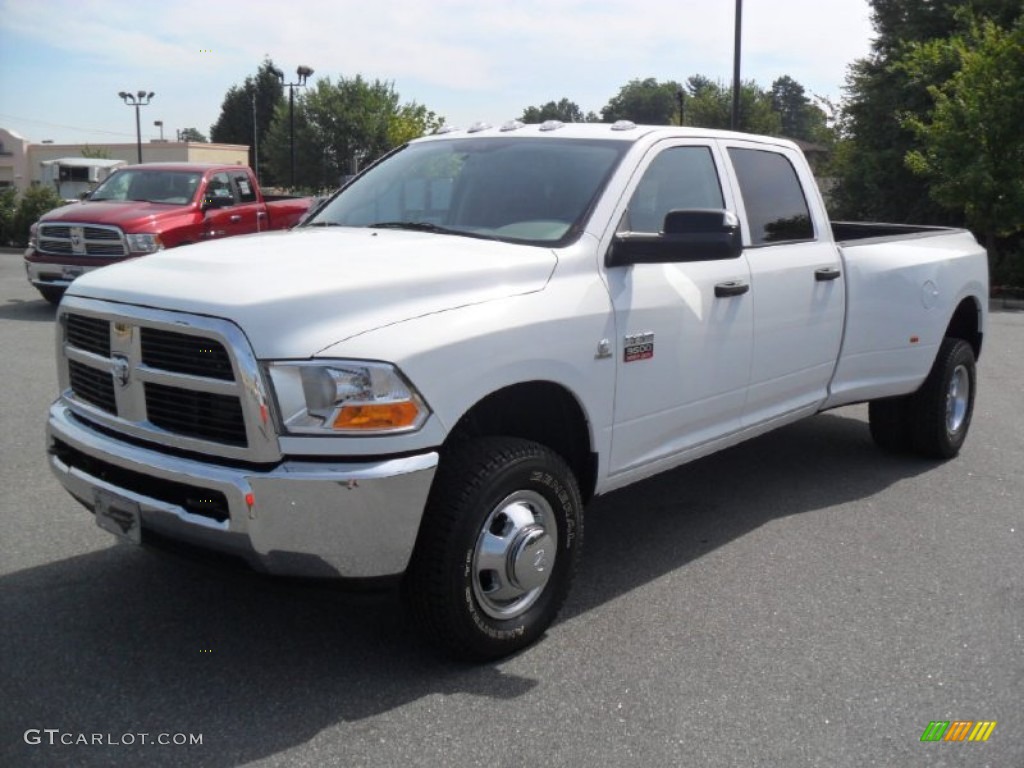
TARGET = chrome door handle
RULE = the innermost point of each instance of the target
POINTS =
(235, 218)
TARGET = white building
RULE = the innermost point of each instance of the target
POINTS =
(22, 162)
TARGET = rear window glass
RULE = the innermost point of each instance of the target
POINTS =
(774, 200)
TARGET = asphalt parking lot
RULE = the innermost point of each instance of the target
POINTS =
(801, 600)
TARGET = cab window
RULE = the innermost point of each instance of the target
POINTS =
(680, 178)
(219, 188)
(246, 193)
(776, 207)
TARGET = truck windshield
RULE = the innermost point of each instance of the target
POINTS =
(150, 185)
(519, 189)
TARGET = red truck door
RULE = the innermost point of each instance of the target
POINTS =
(235, 209)
(251, 210)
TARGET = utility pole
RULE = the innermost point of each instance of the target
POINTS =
(735, 122)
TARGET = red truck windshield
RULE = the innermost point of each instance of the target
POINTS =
(151, 186)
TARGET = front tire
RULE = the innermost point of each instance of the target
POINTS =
(51, 294)
(497, 550)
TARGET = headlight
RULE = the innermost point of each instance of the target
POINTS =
(345, 397)
(144, 243)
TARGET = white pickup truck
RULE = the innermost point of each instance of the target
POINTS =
(481, 332)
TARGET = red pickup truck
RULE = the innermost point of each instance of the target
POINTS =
(142, 209)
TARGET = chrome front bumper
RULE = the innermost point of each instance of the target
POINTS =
(45, 275)
(313, 519)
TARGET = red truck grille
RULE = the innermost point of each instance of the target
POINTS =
(80, 240)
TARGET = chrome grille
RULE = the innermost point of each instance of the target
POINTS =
(89, 333)
(185, 381)
(93, 385)
(81, 240)
(196, 414)
(182, 353)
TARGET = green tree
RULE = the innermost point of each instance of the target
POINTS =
(8, 208)
(882, 98)
(646, 102)
(410, 122)
(261, 95)
(801, 118)
(971, 144)
(340, 127)
(565, 110)
(708, 104)
(193, 134)
(33, 203)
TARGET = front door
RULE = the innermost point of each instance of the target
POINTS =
(683, 347)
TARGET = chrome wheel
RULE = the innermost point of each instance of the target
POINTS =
(514, 555)
(958, 398)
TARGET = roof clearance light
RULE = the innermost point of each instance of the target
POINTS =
(446, 129)
(623, 125)
(512, 125)
(551, 125)
(477, 127)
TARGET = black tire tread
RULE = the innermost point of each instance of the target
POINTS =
(890, 423)
(426, 589)
(928, 416)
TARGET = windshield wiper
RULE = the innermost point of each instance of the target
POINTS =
(416, 226)
(321, 224)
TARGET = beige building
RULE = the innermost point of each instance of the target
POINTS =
(21, 162)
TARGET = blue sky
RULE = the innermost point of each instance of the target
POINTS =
(63, 63)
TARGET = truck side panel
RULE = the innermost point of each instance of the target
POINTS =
(901, 295)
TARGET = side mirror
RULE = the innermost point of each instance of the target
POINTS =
(691, 235)
(212, 203)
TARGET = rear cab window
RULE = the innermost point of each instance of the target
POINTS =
(244, 186)
(776, 207)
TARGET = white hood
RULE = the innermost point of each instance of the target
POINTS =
(297, 293)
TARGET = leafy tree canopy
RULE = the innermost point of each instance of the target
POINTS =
(253, 103)
(645, 102)
(340, 127)
(565, 110)
(193, 134)
(971, 145)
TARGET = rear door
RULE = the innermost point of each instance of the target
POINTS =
(250, 211)
(796, 281)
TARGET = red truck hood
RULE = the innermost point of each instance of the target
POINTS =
(296, 293)
(131, 216)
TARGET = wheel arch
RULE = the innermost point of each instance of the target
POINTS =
(966, 324)
(542, 411)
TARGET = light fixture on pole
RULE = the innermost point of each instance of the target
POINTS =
(303, 72)
(137, 100)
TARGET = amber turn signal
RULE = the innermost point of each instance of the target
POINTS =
(379, 416)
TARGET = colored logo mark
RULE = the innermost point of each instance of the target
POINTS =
(958, 730)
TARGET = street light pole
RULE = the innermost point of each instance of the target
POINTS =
(736, 67)
(140, 99)
(303, 72)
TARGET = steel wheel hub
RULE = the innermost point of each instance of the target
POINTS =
(957, 398)
(514, 555)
